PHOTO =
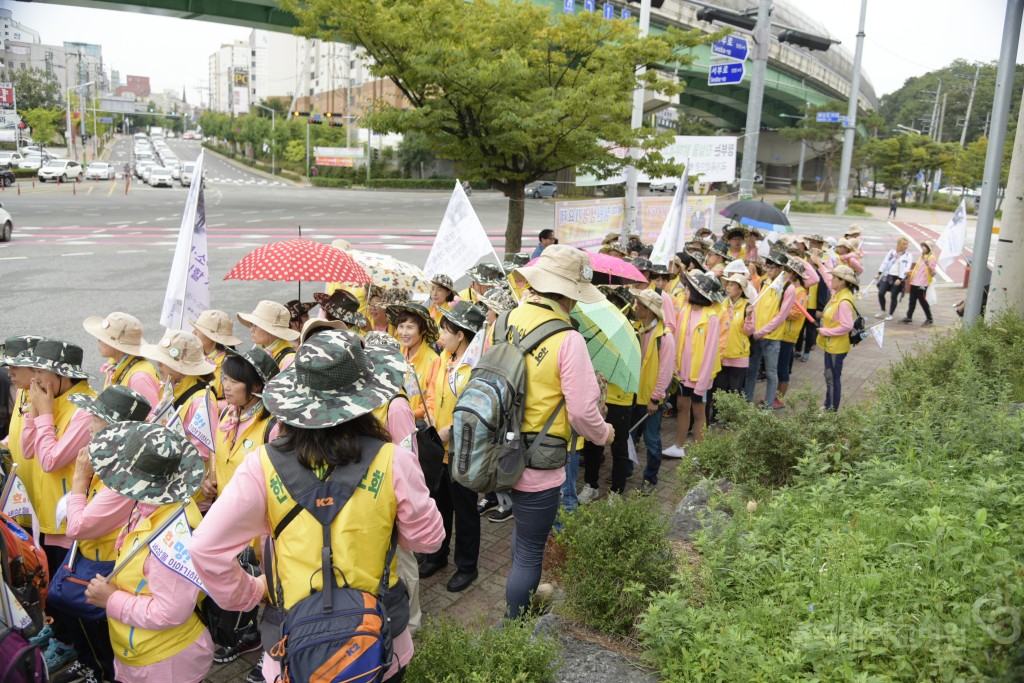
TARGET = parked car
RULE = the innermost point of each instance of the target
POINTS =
(543, 188)
(61, 170)
(7, 177)
(140, 169)
(175, 167)
(186, 173)
(99, 170)
(9, 159)
(147, 171)
(160, 176)
(6, 225)
(189, 135)
(663, 185)
(32, 162)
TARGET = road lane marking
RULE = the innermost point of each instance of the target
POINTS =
(78, 253)
(254, 220)
(13, 258)
(132, 251)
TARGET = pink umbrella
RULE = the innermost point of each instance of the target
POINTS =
(612, 266)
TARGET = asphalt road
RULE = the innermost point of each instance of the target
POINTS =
(91, 248)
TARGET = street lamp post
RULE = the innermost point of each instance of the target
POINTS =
(851, 117)
(273, 127)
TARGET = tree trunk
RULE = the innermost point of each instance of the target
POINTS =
(516, 213)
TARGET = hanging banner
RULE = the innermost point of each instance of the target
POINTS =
(584, 223)
(712, 159)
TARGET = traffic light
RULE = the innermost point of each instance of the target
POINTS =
(376, 153)
(808, 40)
(738, 20)
(656, 4)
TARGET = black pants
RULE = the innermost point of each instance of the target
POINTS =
(808, 336)
(917, 296)
(727, 379)
(593, 455)
(888, 284)
(455, 500)
(92, 643)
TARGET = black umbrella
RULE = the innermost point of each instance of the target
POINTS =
(755, 213)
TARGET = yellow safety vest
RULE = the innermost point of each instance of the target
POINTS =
(230, 455)
(812, 298)
(921, 264)
(102, 548)
(51, 486)
(280, 349)
(128, 366)
(840, 344)
(698, 343)
(767, 307)
(218, 358)
(418, 376)
(543, 383)
(791, 328)
(650, 365)
(443, 409)
(136, 646)
(180, 388)
(435, 311)
(360, 534)
(737, 343)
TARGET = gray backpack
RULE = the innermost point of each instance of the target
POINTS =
(489, 452)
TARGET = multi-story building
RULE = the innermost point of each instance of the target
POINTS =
(13, 30)
(70, 65)
(230, 71)
(136, 85)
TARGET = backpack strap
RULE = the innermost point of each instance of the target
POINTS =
(188, 393)
(535, 446)
(282, 354)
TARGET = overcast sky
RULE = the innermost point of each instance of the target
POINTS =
(904, 37)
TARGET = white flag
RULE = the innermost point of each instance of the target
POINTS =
(672, 238)
(19, 616)
(201, 427)
(18, 504)
(188, 287)
(785, 209)
(878, 332)
(951, 243)
(460, 241)
(171, 548)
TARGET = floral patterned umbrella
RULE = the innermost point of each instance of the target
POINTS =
(388, 272)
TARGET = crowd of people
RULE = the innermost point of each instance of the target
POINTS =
(203, 422)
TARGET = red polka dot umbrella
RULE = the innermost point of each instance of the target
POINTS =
(299, 260)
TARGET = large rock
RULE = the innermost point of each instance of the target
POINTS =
(693, 513)
(584, 662)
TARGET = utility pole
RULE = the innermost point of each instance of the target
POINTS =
(970, 104)
(994, 158)
(636, 121)
(850, 132)
(942, 116)
(756, 99)
(1007, 290)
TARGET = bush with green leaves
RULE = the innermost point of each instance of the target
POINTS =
(904, 565)
(616, 555)
(447, 652)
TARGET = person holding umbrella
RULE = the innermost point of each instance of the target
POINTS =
(270, 324)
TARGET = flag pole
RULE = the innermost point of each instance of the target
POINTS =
(145, 544)
(8, 484)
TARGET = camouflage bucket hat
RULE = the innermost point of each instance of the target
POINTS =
(487, 274)
(517, 261)
(465, 315)
(261, 361)
(334, 379)
(395, 295)
(659, 269)
(297, 309)
(16, 346)
(116, 403)
(147, 462)
(499, 300)
(736, 231)
(722, 249)
(341, 305)
(643, 265)
(381, 340)
(60, 358)
(429, 326)
(707, 285)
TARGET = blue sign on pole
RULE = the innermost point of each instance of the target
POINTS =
(827, 117)
(106, 119)
(733, 47)
(609, 10)
(589, 5)
(568, 6)
(726, 74)
(626, 14)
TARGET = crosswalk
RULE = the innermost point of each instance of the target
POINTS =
(247, 181)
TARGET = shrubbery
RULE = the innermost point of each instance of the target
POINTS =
(902, 565)
(449, 653)
(317, 181)
(616, 554)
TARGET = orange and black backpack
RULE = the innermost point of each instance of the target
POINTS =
(24, 570)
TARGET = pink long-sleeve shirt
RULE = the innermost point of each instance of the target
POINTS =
(38, 441)
(852, 261)
(240, 515)
(706, 375)
(844, 322)
(172, 600)
(88, 519)
(582, 396)
(788, 297)
(921, 274)
(666, 361)
(401, 423)
(668, 307)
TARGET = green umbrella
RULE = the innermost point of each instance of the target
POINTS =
(612, 343)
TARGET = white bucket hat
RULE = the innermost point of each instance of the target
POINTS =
(271, 317)
(564, 270)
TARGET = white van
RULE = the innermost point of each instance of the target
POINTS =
(186, 173)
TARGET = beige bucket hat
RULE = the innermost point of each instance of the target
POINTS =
(120, 330)
(271, 317)
(218, 326)
(564, 270)
(846, 273)
(314, 325)
(650, 299)
(180, 351)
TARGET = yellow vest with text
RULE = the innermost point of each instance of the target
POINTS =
(136, 646)
(50, 487)
(127, 367)
(791, 328)
(360, 534)
(543, 383)
(650, 365)
(737, 343)
(102, 548)
(840, 344)
(812, 298)
(230, 455)
(697, 343)
(767, 307)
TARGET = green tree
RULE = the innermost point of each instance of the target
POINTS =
(505, 87)
(414, 152)
(295, 151)
(34, 88)
(43, 123)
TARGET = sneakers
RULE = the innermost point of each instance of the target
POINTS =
(500, 515)
(248, 642)
(778, 405)
(540, 601)
(928, 323)
(804, 357)
(880, 315)
(485, 504)
(587, 495)
(888, 318)
(78, 673)
(42, 638)
(256, 673)
(647, 488)
(674, 451)
(906, 320)
(58, 655)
